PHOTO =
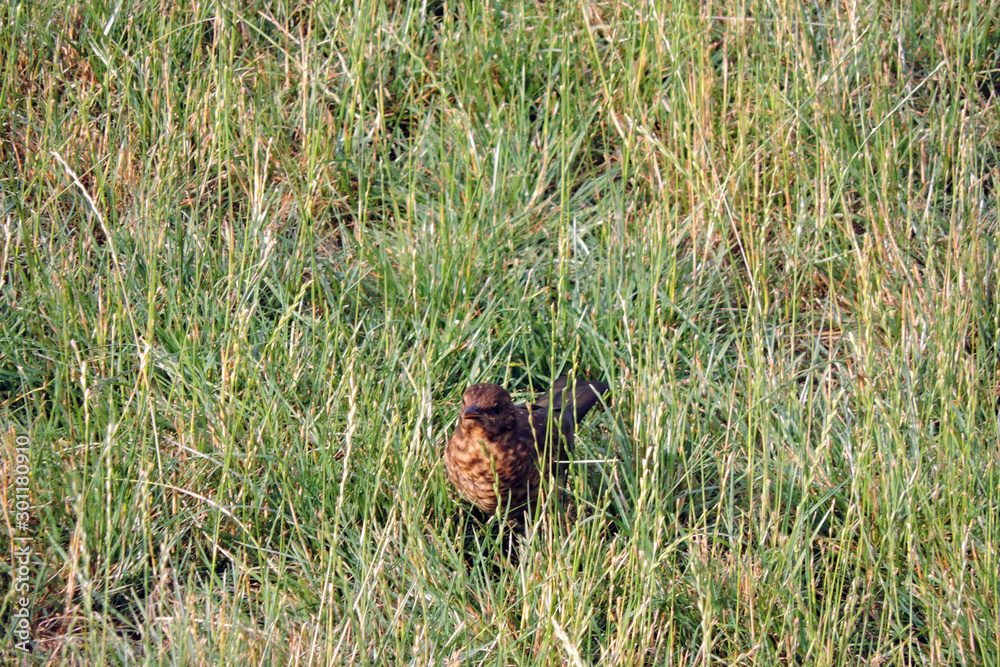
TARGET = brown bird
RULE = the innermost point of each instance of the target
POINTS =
(500, 452)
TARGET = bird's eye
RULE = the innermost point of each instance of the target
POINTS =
(498, 409)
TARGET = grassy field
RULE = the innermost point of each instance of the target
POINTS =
(252, 253)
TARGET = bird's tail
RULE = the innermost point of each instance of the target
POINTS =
(578, 402)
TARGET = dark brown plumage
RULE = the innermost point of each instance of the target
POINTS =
(499, 453)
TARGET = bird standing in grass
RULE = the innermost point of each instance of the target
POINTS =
(500, 452)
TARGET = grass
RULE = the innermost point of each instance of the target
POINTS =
(252, 253)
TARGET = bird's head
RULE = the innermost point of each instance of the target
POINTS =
(488, 407)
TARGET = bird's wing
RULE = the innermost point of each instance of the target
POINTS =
(555, 393)
(566, 407)
(576, 404)
(585, 395)
(570, 407)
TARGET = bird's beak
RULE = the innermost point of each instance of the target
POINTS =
(472, 412)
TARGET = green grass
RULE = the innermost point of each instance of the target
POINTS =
(252, 253)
